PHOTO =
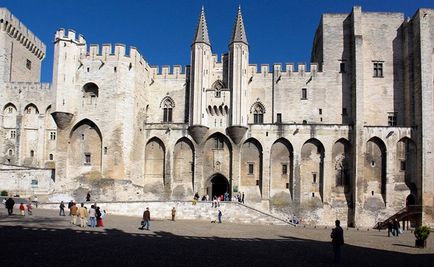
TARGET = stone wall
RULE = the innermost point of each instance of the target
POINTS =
(25, 181)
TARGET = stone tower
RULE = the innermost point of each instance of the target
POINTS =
(201, 57)
(238, 64)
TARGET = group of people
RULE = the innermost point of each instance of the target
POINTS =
(224, 197)
(92, 217)
(393, 227)
(10, 203)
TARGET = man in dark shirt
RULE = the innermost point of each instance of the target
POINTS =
(337, 236)
(146, 219)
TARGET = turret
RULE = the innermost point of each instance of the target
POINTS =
(201, 59)
(67, 50)
(238, 82)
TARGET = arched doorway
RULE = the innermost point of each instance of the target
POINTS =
(218, 185)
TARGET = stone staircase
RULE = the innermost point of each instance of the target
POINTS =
(233, 212)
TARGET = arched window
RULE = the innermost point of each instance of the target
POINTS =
(258, 113)
(218, 86)
(51, 157)
(167, 105)
(90, 93)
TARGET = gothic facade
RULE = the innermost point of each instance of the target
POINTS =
(349, 136)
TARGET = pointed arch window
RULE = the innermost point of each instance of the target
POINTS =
(217, 87)
(258, 113)
(167, 105)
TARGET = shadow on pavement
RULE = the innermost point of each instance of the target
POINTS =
(36, 246)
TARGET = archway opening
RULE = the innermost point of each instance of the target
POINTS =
(219, 185)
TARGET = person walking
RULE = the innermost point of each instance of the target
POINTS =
(88, 197)
(29, 208)
(10, 205)
(173, 214)
(337, 236)
(92, 216)
(146, 219)
(73, 211)
(242, 198)
(98, 213)
(70, 203)
(396, 227)
(61, 209)
(389, 228)
(82, 213)
(22, 209)
(220, 216)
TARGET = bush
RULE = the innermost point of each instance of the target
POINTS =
(422, 233)
(4, 193)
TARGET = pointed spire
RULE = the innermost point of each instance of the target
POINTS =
(201, 35)
(239, 32)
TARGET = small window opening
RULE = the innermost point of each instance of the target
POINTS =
(373, 163)
(32, 153)
(284, 169)
(87, 159)
(378, 69)
(28, 64)
(313, 194)
(51, 157)
(304, 93)
(314, 178)
(320, 111)
(105, 150)
(251, 169)
(52, 135)
(279, 118)
(391, 119)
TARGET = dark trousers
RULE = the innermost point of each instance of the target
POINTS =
(10, 211)
(62, 212)
(337, 253)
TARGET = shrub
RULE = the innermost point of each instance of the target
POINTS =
(422, 233)
(4, 193)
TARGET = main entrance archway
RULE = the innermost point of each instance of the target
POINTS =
(218, 185)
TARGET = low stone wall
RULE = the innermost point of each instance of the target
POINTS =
(26, 181)
(185, 210)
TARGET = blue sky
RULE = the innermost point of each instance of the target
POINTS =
(278, 31)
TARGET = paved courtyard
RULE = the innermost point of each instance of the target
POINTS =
(46, 239)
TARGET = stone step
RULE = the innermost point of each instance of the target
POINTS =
(231, 211)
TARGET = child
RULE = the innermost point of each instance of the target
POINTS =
(29, 208)
(22, 209)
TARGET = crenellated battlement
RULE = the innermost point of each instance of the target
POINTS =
(28, 86)
(169, 72)
(289, 69)
(69, 35)
(17, 30)
(102, 52)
